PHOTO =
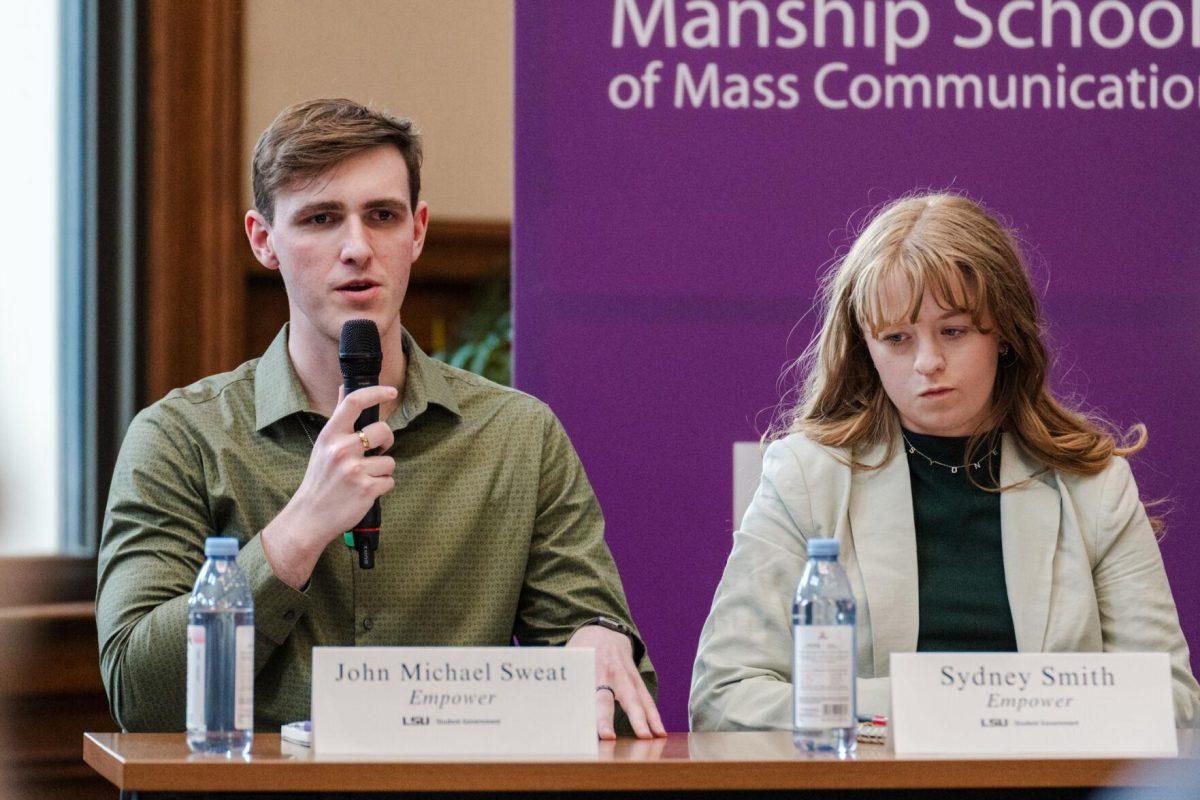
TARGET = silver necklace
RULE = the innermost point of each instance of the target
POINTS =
(303, 427)
(952, 467)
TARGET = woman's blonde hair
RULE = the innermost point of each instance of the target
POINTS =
(948, 245)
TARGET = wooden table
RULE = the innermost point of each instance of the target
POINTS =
(154, 762)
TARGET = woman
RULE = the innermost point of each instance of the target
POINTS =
(974, 511)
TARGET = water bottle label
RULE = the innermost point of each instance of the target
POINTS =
(195, 679)
(244, 679)
(824, 676)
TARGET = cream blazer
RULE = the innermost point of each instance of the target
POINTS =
(1081, 564)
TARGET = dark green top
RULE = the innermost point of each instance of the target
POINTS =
(491, 533)
(963, 599)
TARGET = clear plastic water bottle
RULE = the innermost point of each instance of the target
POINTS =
(220, 655)
(823, 657)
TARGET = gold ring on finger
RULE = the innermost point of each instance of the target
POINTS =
(366, 443)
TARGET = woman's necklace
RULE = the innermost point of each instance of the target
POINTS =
(952, 467)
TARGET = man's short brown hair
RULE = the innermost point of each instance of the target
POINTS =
(310, 137)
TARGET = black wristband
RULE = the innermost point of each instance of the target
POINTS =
(639, 649)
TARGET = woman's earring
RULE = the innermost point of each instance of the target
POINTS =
(1007, 356)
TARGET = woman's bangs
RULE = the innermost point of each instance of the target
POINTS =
(956, 286)
(890, 292)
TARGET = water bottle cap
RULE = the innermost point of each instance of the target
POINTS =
(827, 548)
(220, 546)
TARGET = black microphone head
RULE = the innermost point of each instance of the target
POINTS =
(359, 348)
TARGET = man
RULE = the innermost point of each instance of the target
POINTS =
(490, 530)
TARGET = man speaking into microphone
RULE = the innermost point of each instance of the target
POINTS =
(488, 528)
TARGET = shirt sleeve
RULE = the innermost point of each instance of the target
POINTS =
(151, 548)
(742, 678)
(1137, 612)
(570, 575)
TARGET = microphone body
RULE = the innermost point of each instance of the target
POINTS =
(361, 358)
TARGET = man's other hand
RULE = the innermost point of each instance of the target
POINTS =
(615, 669)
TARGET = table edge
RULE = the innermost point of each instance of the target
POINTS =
(626, 775)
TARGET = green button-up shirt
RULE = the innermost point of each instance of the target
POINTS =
(492, 533)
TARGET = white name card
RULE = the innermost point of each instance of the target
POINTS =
(409, 701)
(1057, 704)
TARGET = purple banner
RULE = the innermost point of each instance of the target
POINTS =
(685, 171)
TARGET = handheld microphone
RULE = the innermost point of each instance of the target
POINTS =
(361, 357)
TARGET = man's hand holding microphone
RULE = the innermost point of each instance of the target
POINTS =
(341, 484)
(345, 476)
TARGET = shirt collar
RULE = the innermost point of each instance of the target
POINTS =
(278, 392)
(424, 385)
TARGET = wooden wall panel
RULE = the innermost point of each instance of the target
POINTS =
(191, 191)
(50, 687)
(35, 580)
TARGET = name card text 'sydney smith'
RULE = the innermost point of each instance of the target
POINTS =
(1033, 703)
